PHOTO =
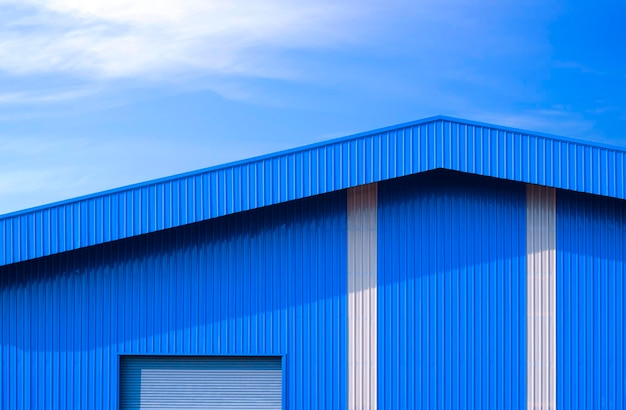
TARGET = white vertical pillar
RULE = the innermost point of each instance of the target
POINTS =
(362, 296)
(541, 297)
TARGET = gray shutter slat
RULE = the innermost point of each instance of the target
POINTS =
(173, 382)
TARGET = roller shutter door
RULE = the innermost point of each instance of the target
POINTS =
(166, 382)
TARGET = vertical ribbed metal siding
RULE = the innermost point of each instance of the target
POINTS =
(591, 306)
(267, 282)
(206, 382)
(541, 297)
(452, 293)
(519, 156)
(370, 157)
(362, 297)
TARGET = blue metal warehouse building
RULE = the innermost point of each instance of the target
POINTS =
(436, 264)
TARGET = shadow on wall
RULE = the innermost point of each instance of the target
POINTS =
(452, 292)
(231, 285)
(591, 308)
(240, 284)
(451, 296)
(266, 282)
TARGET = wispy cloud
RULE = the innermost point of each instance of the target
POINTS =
(44, 96)
(208, 43)
(157, 38)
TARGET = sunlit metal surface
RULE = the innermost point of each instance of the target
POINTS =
(438, 142)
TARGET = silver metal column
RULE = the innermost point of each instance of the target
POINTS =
(362, 296)
(541, 297)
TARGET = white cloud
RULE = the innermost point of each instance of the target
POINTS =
(213, 45)
(157, 38)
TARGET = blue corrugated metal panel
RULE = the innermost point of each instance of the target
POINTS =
(266, 282)
(379, 155)
(591, 306)
(452, 293)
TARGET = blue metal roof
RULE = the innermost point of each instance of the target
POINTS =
(432, 143)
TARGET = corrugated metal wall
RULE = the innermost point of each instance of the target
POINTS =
(374, 156)
(452, 293)
(266, 282)
(591, 306)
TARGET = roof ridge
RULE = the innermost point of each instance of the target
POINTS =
(366, 157)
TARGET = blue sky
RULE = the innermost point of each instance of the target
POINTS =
(108, 93)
